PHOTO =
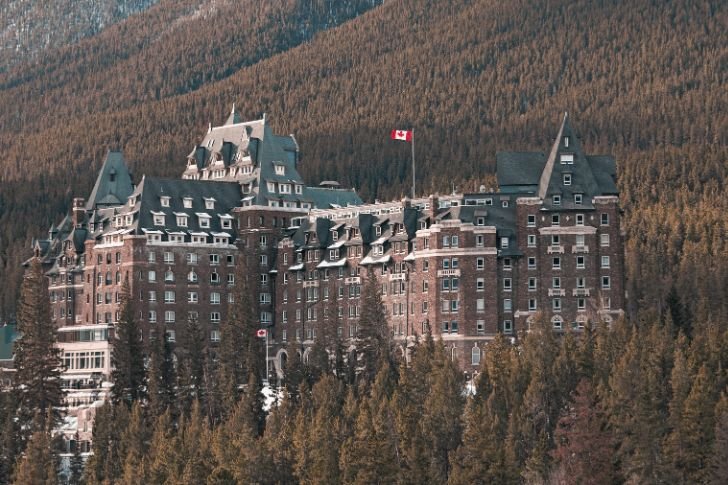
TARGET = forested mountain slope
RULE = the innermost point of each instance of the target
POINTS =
(643, 80)
(28, 27)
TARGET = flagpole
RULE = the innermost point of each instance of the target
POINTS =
(413, 163)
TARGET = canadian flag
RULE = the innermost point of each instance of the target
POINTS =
(404, 135)
(261, 333)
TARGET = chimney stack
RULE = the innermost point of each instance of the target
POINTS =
(79, 211)
(434, 205)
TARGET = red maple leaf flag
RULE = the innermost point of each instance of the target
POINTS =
(261, 333)
(404, 135)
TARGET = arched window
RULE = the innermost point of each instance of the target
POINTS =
(557, 322)
(168, 276)
(475, 355)
(192, 277)
(454, 354)
(118, 277)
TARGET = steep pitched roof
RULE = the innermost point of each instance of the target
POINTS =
(113, 184)
(567, 147)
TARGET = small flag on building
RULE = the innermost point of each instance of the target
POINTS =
(404, 135)
(261, 333)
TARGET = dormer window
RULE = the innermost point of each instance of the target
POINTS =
(299, 189)
(181, 220)
(272, 187)
(210, 142)
(158, 218)
(567, 179)
(566, 142)
(556, 199)
(480, 221)
(578, 199)
(378, 250)
(164, 201)
(209, 203)
(247, 169)
(227, 224)
(334, 236)
(284, 188)
(567, 158)
(187, 202)
(280, 169)
(378, 230)
(132, 201)
(204, 220)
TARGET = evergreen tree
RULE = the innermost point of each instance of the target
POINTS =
(583, 451)
(158, 464)
(373, 342)
(161, 377)
(104, 465)
(127, 357)
(719, 459)
(76, 465)
(678, 312)
(37, 378)
(191, 356)
(134, 445)
(698, 424)
(9, 432)
(38, 465)
(278, 439)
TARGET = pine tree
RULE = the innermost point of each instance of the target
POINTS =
(134, 444)
(583, 451)
(38, 465)
(9, 432)
(719, 457)
(76, 464)
(127, 357)
(373, 342)
(698, 424)
(37, 381)
(277, 440)
(104, 464)
(191, 356)
(161, 376)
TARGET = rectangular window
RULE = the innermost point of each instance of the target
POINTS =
(556, 199)
(532, 305)
(531, 262)
(567, 179)
(454, 241)
(215, 298)
(578, 199)
(604, 240)
(580, 282)
(425, 306)
(169, 316)
(445, 241)
(556, 304)
(507, 305)
(531, 240)
(151, 257)
(152, 295)
(531, 222)
(480, 263)
(555, 240)
(580, 262)
(605, 219)
(507, 326)
(480, 327)
(580, 240)
(555, 219)
(480, 284)
(504, 242)
(480, 305)
(606, 282)
(605, 261)
(152, 316)
(191, 258)
(152, 275)
(214, 259)
(581, 303)
(214, 317)
(556, 282)
(580, 219)
(479, 241)
(169, 297)
(556, 264)
(192, 297)
(506, 284)
(532, 284)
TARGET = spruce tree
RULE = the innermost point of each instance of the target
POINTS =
(37, 378)
(719, 456)
(161, 378)
(373, 337)
(584, 446)
(38, 465)
(134, 444)
(105, 463)
(191, 356)
(76, 465)
(9, 433)
(698, 424)
(127, 356)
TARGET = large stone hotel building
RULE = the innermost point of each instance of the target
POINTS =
(465, 266)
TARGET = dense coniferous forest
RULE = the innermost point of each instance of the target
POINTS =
(643, 80)
(644, 402)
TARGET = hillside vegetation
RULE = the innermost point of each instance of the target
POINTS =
(643, 80)
(29, 27)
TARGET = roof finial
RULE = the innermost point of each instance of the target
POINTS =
(209, 127)
(233, 110)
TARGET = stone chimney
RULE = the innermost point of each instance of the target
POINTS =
(434, 206)
(406, 203)
(79, 210)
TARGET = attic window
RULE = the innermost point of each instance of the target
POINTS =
(378, 230)
(299, 189)
(556, 199)
(504, 203)
(209, 203)
(577, 199)
(566, 142)
(187, 202)
(280, 169)
(158, 219)
(164, 200)
(480, 221)
(271, 187)
(567, 179)
(247, 169)
(285, 188)
(567, 158)
(488, 201)
(210, 142)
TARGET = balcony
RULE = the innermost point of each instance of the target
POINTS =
(580, 292)
(580, 249)
(557, 292)
(555, 249)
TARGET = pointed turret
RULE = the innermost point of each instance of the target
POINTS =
(113, 184)
(234, 117)
(567, 171)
